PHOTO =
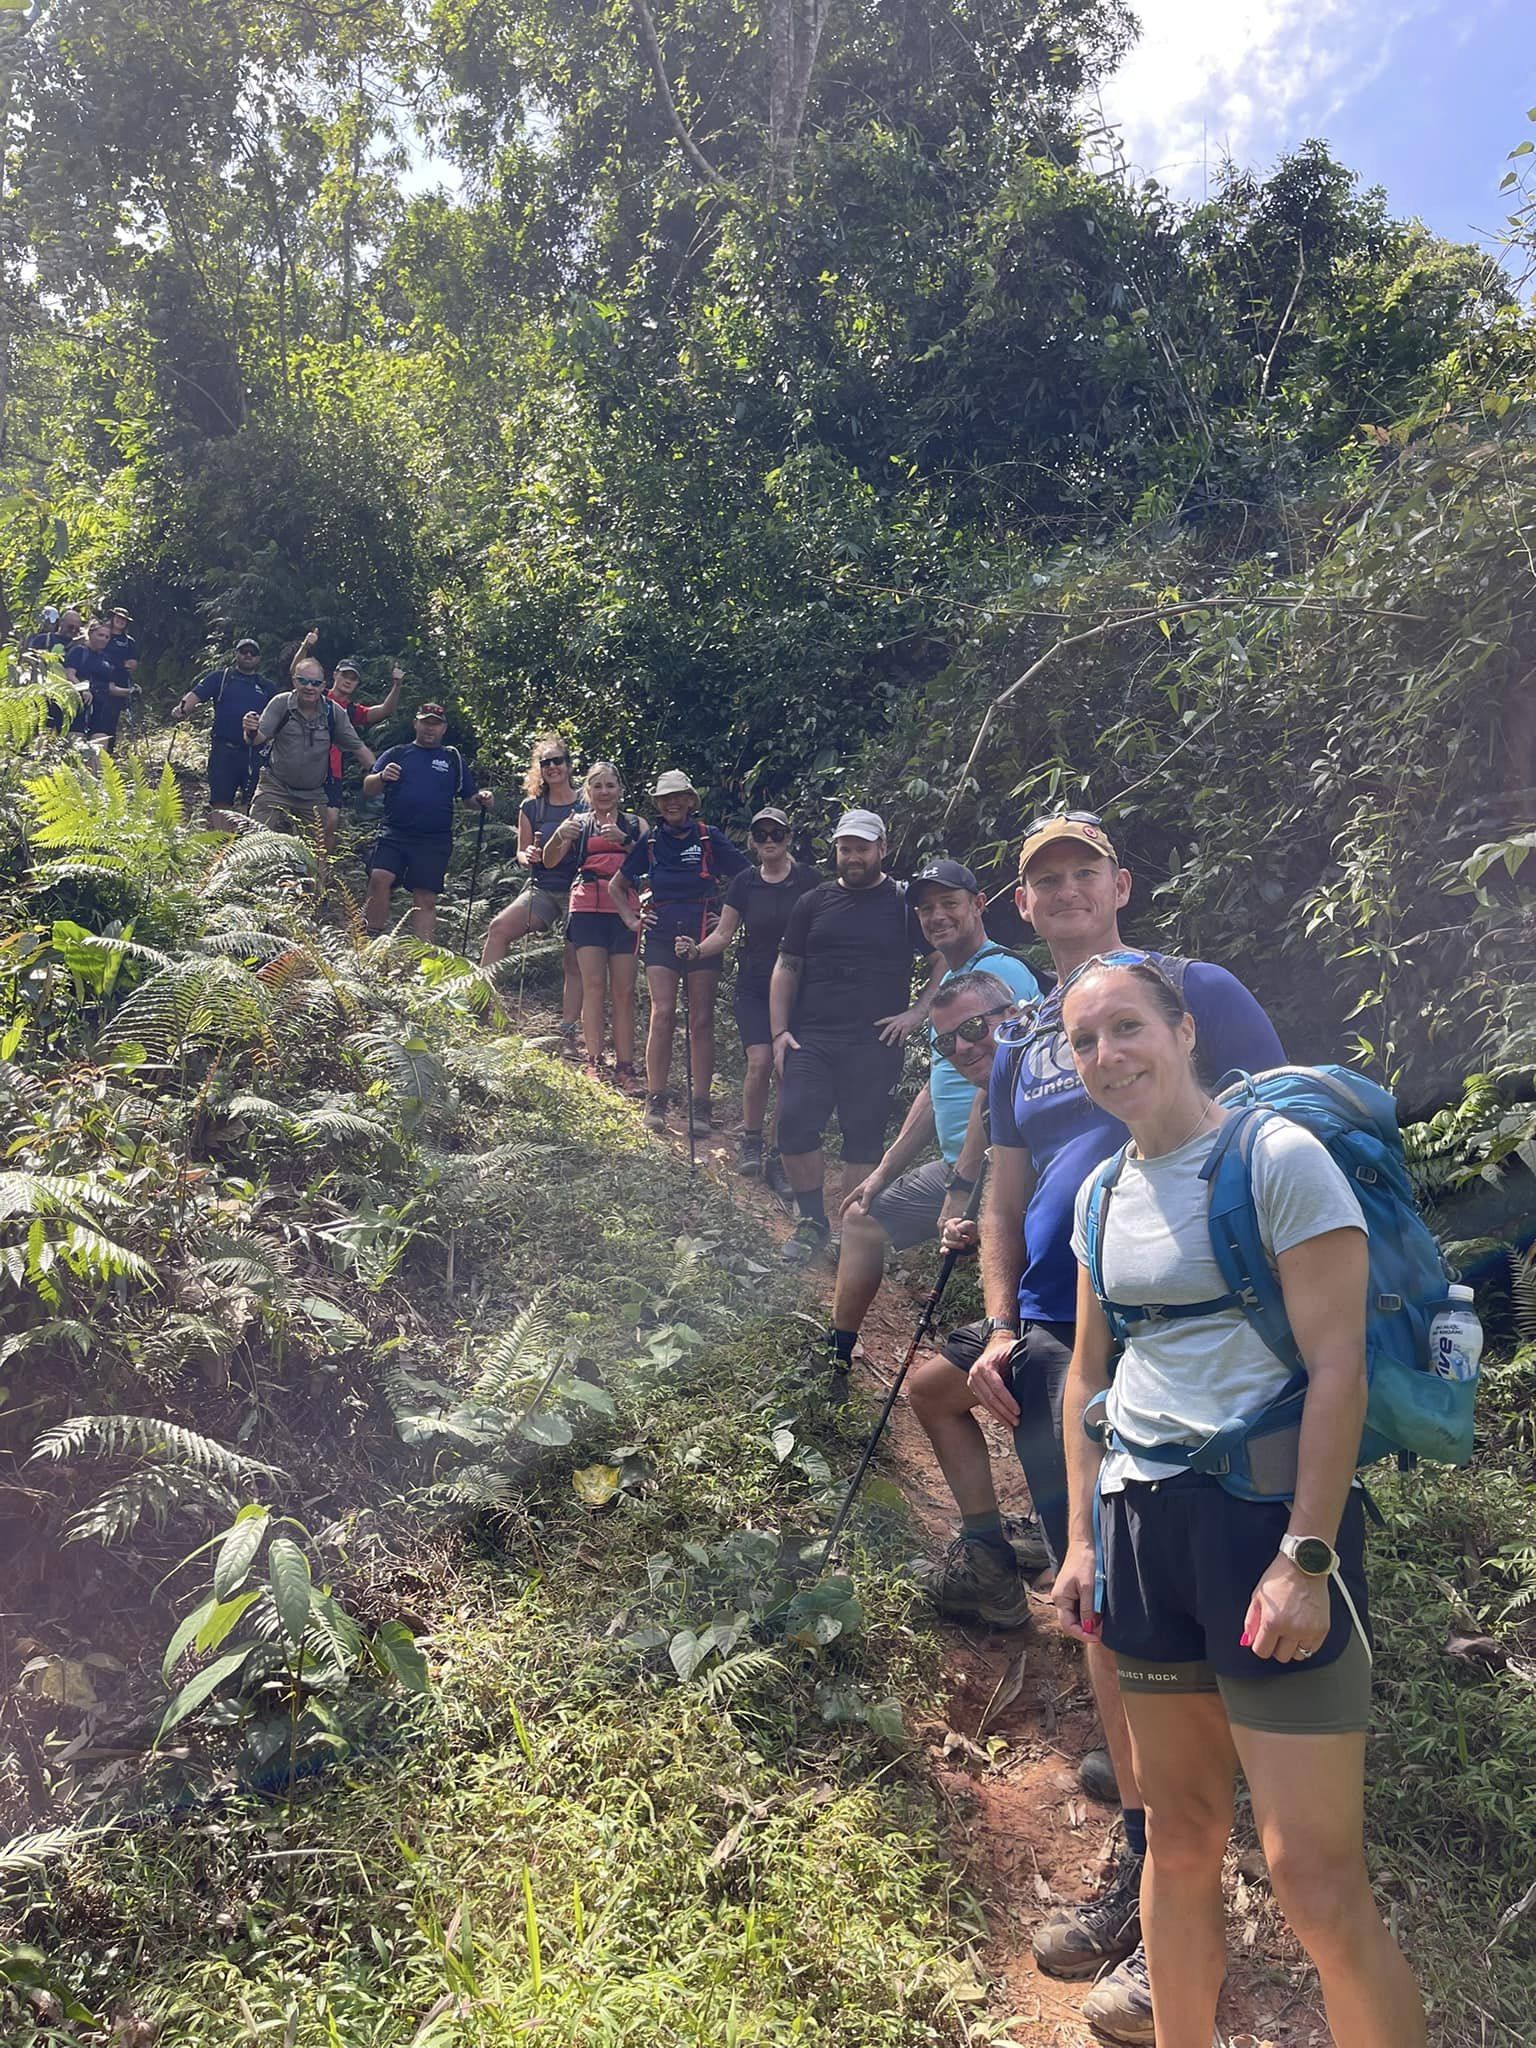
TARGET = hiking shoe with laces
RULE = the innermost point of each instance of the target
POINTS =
(777, 1180)
(1027, 1542)
(625, 1077)
(805, 1243)
(976, 1581)
(1096, 1775)
(570, 1047)
(1119, 2007)
(1080, 1940)
(656, 1112)
(749, 1154)
(699, 1122)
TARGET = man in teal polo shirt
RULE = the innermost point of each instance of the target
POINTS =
(904, 1203)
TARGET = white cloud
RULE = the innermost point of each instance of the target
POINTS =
(1247, 79)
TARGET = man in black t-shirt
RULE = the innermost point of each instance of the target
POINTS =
(840, 1006)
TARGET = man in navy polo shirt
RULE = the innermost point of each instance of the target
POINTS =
(419, 784)
(239, 694)
(94, 669)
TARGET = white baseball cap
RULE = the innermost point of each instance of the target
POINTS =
(859, 825)
(673, 783)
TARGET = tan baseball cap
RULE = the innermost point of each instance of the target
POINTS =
(1086, 831)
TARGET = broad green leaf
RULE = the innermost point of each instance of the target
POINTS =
(686, 1653)
(176, 1648)
(223, 1618)
(398, 1654)
(550, 1430)
(288, 1570)
(198, 1689)
(573, 1388)
(237, 1553)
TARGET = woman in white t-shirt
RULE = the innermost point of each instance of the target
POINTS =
(1239, 1626)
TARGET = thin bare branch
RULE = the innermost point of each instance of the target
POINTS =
(651, 43)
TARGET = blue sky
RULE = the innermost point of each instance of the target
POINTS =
(1425, 98)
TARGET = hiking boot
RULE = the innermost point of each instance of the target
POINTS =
(1096, 1775)
(976, 1581)
(570, 1048)
(777, 1180)
(656, 1112)
(1079, 1940)
(749, 1154)
(1119, 2007)
(1027, 1542)
(699, 1122)
(805, 1243)
(592, 1069)
(625, 1077)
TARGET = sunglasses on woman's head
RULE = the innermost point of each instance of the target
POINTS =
(973, 1030)
(1123, 956)
(762, 832)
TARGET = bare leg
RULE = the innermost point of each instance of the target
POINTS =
(940, 1397)
(754, 1090)
(855, 1170)
(376, 902)
(860, 1269)
(330, 818)
(593, 962)
(805, 1171)
(662, 983)
(1186, 1763)
(570, 993)
(504, 931)
(1104, 1676)
(1309, 1802)
(701, 1021)
(424, 914)
(621, 977)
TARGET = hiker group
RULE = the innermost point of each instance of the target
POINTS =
(1178, 1286)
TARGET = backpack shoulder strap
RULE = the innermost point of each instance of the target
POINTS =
(1104, 1180)
(706, 852)
(218, 695)
(458, 768)
(1236, 1241)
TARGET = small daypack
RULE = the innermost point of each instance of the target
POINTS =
(1411, 1412)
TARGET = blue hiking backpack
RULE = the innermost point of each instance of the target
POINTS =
(1411, 1412)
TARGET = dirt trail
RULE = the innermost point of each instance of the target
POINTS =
(1026, 1835)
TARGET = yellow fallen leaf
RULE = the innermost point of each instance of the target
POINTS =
(63, 1680)
(596, 1484)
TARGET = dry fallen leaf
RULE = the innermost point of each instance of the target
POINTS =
(63, 1680)
(596, 1484)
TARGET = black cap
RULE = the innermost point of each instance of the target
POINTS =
(949, 874)
(247, 646)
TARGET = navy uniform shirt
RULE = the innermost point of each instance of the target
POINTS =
(675, 863)
(432, 779)
(99, 671)
(120, 650)
(232, 694)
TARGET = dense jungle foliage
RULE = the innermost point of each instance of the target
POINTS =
(804, 396)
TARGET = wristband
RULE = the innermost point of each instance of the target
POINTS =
(993, 1325)
(781, 1034)
(956, 1182)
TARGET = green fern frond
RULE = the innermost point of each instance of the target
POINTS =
(262, 1111)
(200, 1001)
(747, 1668)
(23, 1855)
(335, 1124)
(87, 1250)
(148, 1436)
(158, 1492)
(180, 1343)
(55, 1194)
(256, 865)
(230, 1258)
(486, 1489)
(521, 1349)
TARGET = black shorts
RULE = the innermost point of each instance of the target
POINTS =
(603, 928)
(676, 921)
(1182, 1557)
(232, 771)
(416, 860)
(335, 789)
(1037, 1378)
(854, 1077)
(751, 1008)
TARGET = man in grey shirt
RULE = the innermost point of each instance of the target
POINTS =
(299, 729)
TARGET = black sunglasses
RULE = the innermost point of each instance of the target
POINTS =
(1062, 818)
(973, 1030)
(554, 760)
(761, 832)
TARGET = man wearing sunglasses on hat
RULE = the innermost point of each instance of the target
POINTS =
(903, 1203)
(1046, 1136)
(757, 902)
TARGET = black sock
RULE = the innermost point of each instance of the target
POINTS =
(988, 1529)
(1134, 1820)
(752, 1137)
(842, 1342)
(813, 1205)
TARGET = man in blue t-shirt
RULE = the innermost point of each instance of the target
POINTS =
(420, 785)
(94, 669)
(1046, 1137)
(239, 693)
(56, 633)
(903, 1203)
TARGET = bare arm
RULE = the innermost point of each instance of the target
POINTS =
(894, 1029)
(392, 696)
(722, 935)
(1087, 1376)
(1009, 1188)
(625, 900)
(782, 992)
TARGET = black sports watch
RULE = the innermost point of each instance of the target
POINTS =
(991, 1325)
(1310, 1554)
(956, 1182)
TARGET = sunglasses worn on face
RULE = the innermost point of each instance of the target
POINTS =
(554, 760)
(973, 1030)
(765, 832)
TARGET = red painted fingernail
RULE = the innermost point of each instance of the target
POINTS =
(1246, 1639)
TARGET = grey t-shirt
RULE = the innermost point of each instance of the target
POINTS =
(300, 758)
(1178, 1382)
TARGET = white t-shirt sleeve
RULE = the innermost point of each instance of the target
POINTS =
(1298, 1191)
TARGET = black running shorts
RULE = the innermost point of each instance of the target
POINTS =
(854, 1078)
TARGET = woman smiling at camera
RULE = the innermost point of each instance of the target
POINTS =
(1239, 1625)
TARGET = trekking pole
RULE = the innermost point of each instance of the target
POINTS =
(693, 1160)
(925, 1320)
(474, 879)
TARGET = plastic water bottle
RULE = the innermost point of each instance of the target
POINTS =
(1456, 1337)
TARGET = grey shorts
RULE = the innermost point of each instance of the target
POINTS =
(281, 812)
(908, 1210)
(545, 906)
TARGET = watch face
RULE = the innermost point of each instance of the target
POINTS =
(1314, 1556)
